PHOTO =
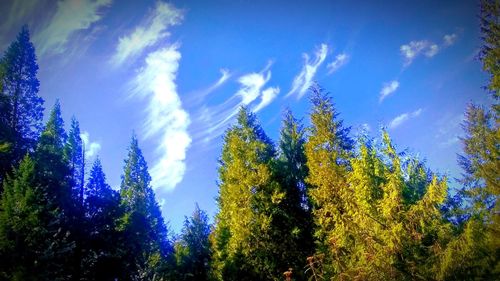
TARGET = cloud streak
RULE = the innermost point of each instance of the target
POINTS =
(153, 29)
(388, 89)
(339, 61)
(303, 80)
(166, 118)
(414, 49)
(399, 120)
(71, 16)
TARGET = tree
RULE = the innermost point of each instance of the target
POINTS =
(490, 50)
(293, 219)
(193, 250)
(102, 210)
(74, 155)
(145, 233)
(41, 231)
(22, 108)
(248, 200)
(328, 151)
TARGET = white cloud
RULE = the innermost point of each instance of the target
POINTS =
(338, 62)
(432, 50)
(388, 89)
(396, 122)
(303, 80)
(411, 50)
(91, 148)
(268, 95)
(214, 119)
(166, 118)
(449, 39)
(148, 34)
(71, 16)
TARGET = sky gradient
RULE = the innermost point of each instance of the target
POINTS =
(175, 73)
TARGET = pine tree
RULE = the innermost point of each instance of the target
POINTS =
(248, 199)
(293, 219)
(144, 230)
(74, 154)
(102, 210)
(21, 224)
(193, 250)
(328, 151)
(45, 246)
(22, 108)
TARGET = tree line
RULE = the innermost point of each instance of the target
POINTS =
(318, 204)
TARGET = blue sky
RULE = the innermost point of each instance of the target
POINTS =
(176, 72)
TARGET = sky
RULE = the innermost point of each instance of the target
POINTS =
(175, 73)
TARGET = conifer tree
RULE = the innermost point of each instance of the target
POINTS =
(74, 154)
(328, 151)
(293, 219)
(45, 182)
(22, 108)
(102, 210)
(248, 199)
(192, 251)
(145, 233)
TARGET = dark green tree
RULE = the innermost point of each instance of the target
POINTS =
(22, 108)
(145, 233)
(74, 155)
(192, 251)
(293, 218)
(41, 235)
(101, 252)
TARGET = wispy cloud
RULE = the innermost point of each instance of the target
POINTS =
(213, 120)
(268, 95)
(396, 122)
(428, 48)
(71, 16)
(339, 61)
(199, 96)
(449, 39)
(413, 49)
(18, 11)
(387, 89)
(166, 120)
(303, 80)
(91, 147)
(153, 29)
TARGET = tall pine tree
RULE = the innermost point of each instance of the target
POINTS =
(243, 243)
(145, 233)
(101, 252)
(22, 108)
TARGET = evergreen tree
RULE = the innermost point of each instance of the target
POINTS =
(102, 210)
(193, 250)
(248, 200)
(74, 154)
(22, 108)
(44, 243)
(144, 230)
(293, 219)
(328, 151)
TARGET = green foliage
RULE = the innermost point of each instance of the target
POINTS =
(192, 251)
(101, 253)
(248, 201)
(144, 232)
(21, 109)
(490, 50)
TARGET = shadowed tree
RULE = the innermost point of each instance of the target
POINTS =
(22, 108)
(145, 233)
